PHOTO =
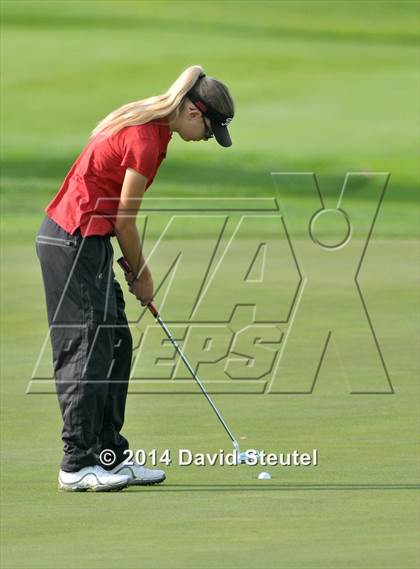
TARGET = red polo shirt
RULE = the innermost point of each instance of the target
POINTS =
(89, 195)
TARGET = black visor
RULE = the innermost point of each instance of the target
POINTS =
(221, 134)
(218, 121)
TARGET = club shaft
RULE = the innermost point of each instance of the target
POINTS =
(126, 268)
(197, 379)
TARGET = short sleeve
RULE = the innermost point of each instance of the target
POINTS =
(139, 151)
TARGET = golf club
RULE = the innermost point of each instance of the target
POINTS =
(241, 456)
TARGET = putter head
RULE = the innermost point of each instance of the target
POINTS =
(250, 457)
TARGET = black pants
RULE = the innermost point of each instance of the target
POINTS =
(91, 342)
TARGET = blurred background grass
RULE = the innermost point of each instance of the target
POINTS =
(328, 87)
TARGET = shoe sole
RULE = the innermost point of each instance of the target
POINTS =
(99, 488)
(146, 482)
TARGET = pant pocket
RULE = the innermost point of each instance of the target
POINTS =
(105, 266)
(94, 270)
(57, 241)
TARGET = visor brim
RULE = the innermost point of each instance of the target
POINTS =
(221, 134)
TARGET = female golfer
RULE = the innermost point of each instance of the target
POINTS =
(90, 337)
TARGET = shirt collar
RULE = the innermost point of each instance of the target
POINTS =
(165, 133)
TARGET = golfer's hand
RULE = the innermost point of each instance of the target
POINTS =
(142, 287)
(129, 278)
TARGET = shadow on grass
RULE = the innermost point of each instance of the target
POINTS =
(223, 178)
(265, 486)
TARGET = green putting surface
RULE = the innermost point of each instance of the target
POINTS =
(324, 87)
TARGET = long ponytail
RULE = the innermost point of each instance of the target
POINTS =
(145, 110)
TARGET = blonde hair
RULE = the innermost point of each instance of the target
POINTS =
(171, 102)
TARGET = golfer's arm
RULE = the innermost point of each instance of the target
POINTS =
(132, 192)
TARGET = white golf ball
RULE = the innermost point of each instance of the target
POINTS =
(264, 476)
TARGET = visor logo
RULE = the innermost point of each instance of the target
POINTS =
(227, 121)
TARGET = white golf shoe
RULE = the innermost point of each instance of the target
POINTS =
(91, 478)
(139, 475)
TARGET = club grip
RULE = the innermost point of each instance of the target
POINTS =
(123, 263)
